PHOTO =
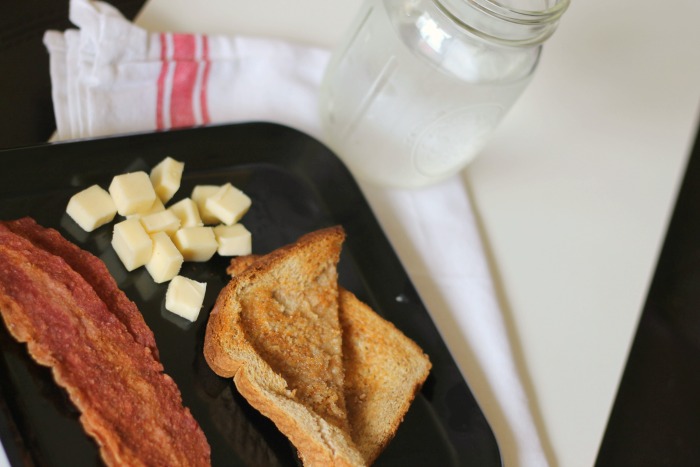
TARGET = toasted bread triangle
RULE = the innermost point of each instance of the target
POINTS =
(275, 330)
(384, 369)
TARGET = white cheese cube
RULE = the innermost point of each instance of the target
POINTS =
(185, 297)
(163, 221)
(166, 177)
(186, 210)
(166, 260)
(233, 240)
(157, 206)
(196, 243)
(228, 204)
(132, 193)
(132, 244)
(91, 208)
(200, 194)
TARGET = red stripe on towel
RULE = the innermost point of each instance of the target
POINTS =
(184, 80)
(183, 47)
(205, 80)
(181, 111)
(160, 94)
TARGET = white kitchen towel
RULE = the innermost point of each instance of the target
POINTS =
(111, 77)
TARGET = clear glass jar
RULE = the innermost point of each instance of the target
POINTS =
(417, 87)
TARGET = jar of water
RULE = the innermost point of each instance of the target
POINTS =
(416, 88)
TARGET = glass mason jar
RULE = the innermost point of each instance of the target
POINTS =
(416, 88)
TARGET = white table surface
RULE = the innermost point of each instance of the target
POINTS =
(573, 194)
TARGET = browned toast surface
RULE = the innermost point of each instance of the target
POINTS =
(275, 329)
(383, 368)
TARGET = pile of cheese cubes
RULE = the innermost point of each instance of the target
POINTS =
(161, 238)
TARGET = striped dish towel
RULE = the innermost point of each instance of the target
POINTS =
(112, 77)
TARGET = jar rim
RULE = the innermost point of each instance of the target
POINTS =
(521, 15)
(482, 19)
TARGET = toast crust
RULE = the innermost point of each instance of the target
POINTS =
(318, 442)
(384, 369)
(275, 329)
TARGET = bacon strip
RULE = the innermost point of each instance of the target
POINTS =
(93, 271)
(128, 404)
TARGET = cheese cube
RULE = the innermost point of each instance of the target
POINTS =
(163, 221)
(200, 194)
(166, 177)
(185, 297)
(157, 206)
(228, 204)
(132, 244)
(166, 260)
(132, 193)
(196, 243)
(186, 210)
(233, 240)
(91, 208)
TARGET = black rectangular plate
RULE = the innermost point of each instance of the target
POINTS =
(297, 185)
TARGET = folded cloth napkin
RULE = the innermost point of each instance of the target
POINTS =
(112, 77)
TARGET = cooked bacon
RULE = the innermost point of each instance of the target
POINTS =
(128, 404)
(93, 271)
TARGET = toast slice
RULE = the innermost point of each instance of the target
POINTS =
(384, 369)
(275, 329)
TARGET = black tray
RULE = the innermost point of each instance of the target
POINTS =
(297, 185)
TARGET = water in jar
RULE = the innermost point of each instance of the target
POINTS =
(411, 97)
